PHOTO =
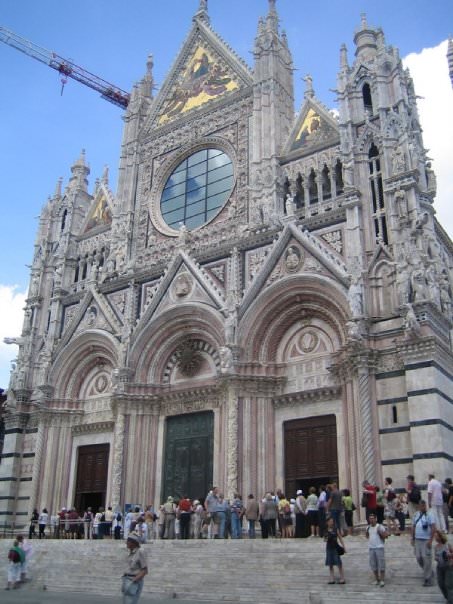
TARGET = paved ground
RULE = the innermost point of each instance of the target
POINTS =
(22, 596)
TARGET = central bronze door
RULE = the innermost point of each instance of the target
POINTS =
(188, 455)
(310, 453)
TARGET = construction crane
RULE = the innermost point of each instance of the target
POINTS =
(66, 68)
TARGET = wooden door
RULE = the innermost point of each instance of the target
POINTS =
(310, 453)
(92, 471)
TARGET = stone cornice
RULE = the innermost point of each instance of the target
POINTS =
(15, 420)
(262, 385)
(318, 395)
(151, 394)
(424, 348)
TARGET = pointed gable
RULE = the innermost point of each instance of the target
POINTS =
(205, 70)
(314, 128)
(295, 251)
(100, 212)
(184, 281)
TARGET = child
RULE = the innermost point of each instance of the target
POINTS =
(376, 535)
(331, 537)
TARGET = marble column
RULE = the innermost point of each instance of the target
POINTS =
(37, 462)
(117, 465)
(232, 443)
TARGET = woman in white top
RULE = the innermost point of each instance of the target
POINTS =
(42, 523)
(312, 512)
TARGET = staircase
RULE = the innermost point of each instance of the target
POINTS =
(258, 571)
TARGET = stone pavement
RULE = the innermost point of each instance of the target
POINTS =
(21, 596)
(271, 571)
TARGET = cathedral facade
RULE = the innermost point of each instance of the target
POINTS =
(266, 300)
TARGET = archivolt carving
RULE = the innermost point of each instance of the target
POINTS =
(188, 358)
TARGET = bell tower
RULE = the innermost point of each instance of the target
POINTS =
(382, 141)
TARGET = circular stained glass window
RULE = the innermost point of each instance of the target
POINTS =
(197, 189)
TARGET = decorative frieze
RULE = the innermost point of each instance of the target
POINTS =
(92, 428)
(184, 406)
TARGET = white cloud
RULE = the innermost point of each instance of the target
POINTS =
(12, 303)
(429, 70)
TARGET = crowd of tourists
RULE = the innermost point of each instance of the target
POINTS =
(326, 513)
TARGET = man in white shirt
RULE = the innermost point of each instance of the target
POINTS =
(423, 528)
(436, 503)
(376, 534)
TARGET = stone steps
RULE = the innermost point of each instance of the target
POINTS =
(269, 571)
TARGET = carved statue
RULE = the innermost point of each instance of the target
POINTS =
(34, 287)
(290, 206)
(348, 172)
(432, 282)
(411, 325)
(355, 296)
(230, 327)
(398, 161)
(292, 259)
(91, 315)
(445, 298)
(401, 203)
(431, 182)
(182, 286)
(183, 235)
(58, 275)
(418, 285)
(27, 319)
(353, 331)
(403, 283)
(226, 359)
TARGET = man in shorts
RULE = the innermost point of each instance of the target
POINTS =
(376, 535)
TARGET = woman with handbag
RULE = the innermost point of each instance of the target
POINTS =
(334, 549)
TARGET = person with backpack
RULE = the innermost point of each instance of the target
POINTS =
(376, 535)
(414, 496)
(16, 557)
(27, 550)
(423, 528)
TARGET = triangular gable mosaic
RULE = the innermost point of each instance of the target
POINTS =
(204, 78)
(313, 128)
(100, 214)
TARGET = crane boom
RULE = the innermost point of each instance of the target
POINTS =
(66, 68)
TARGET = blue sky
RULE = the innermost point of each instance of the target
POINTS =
(43, 132)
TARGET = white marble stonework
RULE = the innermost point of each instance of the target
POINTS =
(309, 277)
